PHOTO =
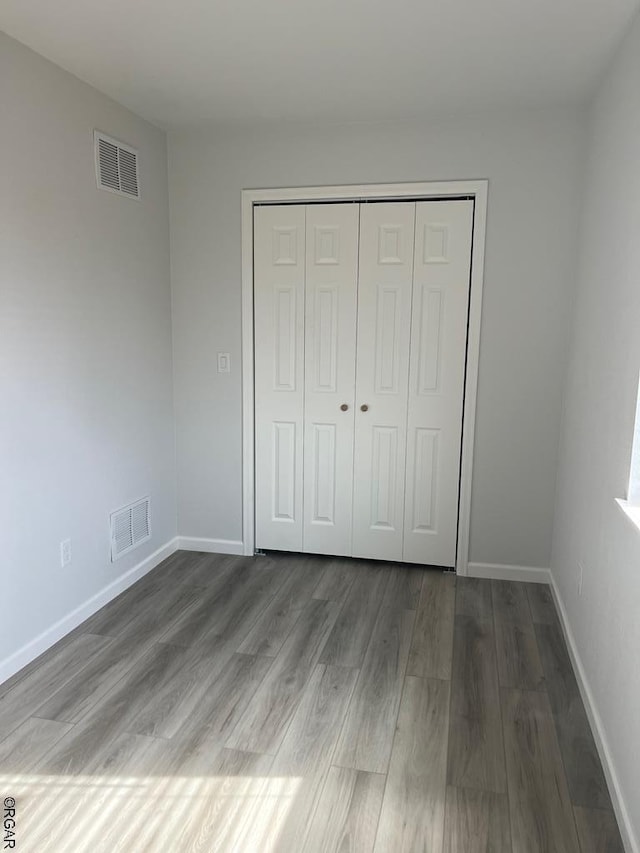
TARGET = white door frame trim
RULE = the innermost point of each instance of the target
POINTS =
(437, 189)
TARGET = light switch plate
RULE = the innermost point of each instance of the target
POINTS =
(65, 552)
(224, 362)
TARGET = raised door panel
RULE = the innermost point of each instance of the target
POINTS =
(436, 379)
(423, 501)
(323, 474)
(330, 324)
(283, 495)
(279, 267)
(386, 254)
(383, 514)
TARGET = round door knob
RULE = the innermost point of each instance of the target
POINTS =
(364, 408)
(344, 407)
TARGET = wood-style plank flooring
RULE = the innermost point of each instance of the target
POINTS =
(291, 703)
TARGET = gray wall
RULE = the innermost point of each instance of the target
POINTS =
(598, 423)
(85, 345)
(532, 162)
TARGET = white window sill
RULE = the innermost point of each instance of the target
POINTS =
(632, 511)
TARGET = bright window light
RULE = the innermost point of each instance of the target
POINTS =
(634, 476)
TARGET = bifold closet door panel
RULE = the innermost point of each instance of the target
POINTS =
(279, 271)
(382, 367)
(442, 264)
(330, 352)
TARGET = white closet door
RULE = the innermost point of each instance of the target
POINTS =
(330, 324)
(382, 364)
(279, 269)
(436, 379)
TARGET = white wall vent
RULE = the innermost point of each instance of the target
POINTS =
(116, 166)
(130, 527)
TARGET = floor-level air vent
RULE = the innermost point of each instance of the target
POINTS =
(130, 527)
(116, 166)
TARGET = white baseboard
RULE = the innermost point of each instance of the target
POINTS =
(631, 844)
(30, 651)
(211, 546)
(501, 572)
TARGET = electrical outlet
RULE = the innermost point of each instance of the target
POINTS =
(65, 552)
(580, 573)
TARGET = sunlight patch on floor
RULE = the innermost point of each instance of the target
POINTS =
(178, 813)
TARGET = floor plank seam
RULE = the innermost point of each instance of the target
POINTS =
(330, 763)
(502, 729)
(355, 689)
(395, 733)
(562, 757)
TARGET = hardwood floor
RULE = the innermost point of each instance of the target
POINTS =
(294, 704)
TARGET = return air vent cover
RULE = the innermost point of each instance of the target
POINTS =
(116, 166)
(130, 527)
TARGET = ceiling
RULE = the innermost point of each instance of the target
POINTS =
(190, 62)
